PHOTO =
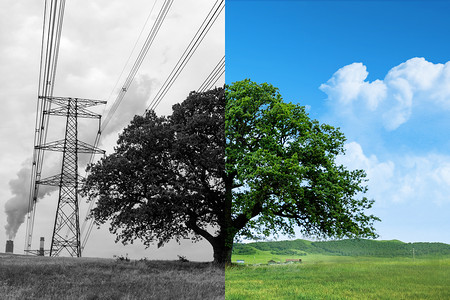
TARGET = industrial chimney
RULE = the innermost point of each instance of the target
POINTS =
(41, 247)
(9, 246)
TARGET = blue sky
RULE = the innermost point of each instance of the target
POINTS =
(377, 70)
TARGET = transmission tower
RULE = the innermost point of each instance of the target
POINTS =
(66, 231)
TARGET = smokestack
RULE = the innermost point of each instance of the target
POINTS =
(9, 246)
(41, 247)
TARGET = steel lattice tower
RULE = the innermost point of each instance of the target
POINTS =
(66, 231)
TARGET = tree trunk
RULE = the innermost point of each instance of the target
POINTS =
(228, 232)
(222, 254)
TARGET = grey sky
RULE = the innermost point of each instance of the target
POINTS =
(97, 39)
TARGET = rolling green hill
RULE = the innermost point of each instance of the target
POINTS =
(349, 247)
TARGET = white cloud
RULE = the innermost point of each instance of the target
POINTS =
(380, 174)
(348, 85)
(403, 179)
(419, 73)
(408, 87)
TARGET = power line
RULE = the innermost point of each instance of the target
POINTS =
(190, 50)
(187, 54)
(131, 53)
(51, 37)
(140, 58)
(212, 78)
(148, 42)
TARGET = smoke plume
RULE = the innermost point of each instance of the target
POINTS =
(16, 208)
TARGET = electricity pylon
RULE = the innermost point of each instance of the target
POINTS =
(66, 231)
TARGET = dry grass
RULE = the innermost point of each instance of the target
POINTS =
(28, 277)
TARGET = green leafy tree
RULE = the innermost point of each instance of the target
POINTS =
(228, 162)
(281, 171)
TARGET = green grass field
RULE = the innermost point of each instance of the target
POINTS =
(28, 277)
(338, 277)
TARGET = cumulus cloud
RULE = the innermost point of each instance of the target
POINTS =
(403, 179)
(348, 85)
(380, 174)
(408, 86)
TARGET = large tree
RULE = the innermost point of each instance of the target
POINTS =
(228, 163)
(164, 180)
(281, 171)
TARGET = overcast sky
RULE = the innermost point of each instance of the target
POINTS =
(380, 71)
(97, 39)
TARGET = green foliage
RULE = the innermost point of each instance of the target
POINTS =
(287, 252)
(382, 248)
(242, 249)
(282, 171)
(348, 247)
(238, 159)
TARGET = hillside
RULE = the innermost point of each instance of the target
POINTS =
(349, 247)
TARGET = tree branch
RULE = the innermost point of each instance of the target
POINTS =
(242, 219)
(192, 224)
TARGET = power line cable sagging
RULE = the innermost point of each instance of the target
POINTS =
(190, 50)
(88, 223)
(51, 37)
(137, 64)
(213, 77)
(209, 21)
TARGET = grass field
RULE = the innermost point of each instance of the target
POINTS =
(338, 277)
(28, 277)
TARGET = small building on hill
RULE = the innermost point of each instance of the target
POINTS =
(293, 260)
